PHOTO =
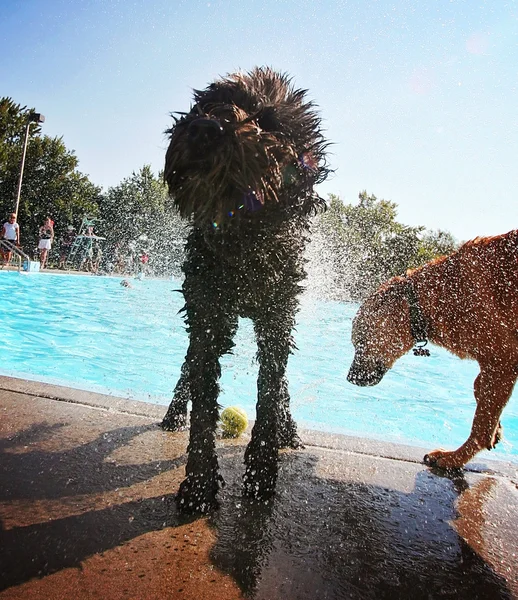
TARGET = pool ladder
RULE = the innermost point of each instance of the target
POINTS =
(16, 253)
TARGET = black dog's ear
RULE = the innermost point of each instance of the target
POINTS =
(267, 118)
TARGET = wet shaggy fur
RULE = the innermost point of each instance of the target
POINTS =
(241, 168)
(469, 302)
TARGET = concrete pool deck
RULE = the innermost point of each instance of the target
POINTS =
(86, 511)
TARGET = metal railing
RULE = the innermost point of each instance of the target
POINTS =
(16, 253)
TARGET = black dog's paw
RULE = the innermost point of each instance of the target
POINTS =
(259, 483)
(188, 506)
(176, 422)
(195, 497)
(288, 436)
(293, 442)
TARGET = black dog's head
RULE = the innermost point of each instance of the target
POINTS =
(250, 144)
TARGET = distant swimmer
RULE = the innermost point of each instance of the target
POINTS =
(126, 283)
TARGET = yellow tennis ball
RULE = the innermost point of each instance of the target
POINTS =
(233, 421)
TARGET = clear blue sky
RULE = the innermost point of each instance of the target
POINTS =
(418, 97)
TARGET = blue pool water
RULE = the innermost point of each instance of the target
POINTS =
(91, 333)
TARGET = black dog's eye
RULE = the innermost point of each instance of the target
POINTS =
(267, 119)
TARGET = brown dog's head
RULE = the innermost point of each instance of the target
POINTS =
(250, 144)
(381, 333)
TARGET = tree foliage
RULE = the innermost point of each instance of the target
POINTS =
(366, 245)
(433, 244)
(52, 185)
(136, 217)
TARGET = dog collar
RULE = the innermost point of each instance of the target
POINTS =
(418, 323)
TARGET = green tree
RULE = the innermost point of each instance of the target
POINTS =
(52, 185)
(137, 217)
(434, 244)
(13, 119)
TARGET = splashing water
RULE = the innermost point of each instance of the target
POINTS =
(324, 280)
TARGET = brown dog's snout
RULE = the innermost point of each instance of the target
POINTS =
(204, 131)
(365, 371)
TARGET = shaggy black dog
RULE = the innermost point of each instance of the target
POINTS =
(241, 166)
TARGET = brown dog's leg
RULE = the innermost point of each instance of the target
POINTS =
(493, 388)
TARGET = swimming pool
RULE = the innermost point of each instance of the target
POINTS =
(93, 334)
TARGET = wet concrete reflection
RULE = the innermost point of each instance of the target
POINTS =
(347, 538)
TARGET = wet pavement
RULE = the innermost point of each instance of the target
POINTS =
(86, 511)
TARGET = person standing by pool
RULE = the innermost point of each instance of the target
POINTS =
(46, 235)
(66, 244)
(10, 235)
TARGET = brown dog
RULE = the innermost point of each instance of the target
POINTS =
(466, 302)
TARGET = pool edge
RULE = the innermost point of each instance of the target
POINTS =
(330, 441)
(77, 396)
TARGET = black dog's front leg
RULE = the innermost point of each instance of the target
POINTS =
(287, 428)
(211, 326)
(176, 416)
(198, 491)
(273, 426)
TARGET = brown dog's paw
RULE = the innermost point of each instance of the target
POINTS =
(499, 434)
(443, 460)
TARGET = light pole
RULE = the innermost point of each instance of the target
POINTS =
(32, 118)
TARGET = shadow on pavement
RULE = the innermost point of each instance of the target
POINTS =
(80, 470)
(34, 474)
(45, 548)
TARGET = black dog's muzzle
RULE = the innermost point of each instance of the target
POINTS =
(204, 131)
(366, 371)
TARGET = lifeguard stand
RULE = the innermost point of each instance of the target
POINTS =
(82, 244)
